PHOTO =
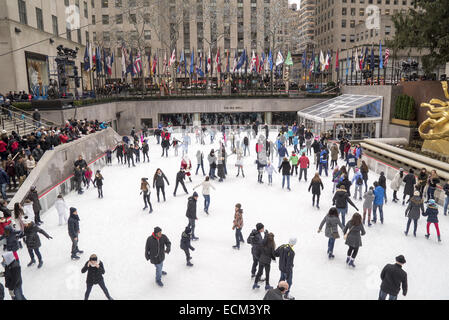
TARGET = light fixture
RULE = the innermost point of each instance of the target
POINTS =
(17, 30)
(52, 41)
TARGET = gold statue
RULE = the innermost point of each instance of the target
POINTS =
(435, 129)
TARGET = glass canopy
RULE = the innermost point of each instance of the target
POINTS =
(345, 108)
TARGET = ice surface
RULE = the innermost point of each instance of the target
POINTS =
(115, 228)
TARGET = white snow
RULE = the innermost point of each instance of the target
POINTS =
(115, 228)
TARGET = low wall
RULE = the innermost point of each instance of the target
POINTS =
(54, 170)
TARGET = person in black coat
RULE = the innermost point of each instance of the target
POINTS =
(155, 249)
(316, 185)
(78, 177)
(266, 255)
(95, 272)
(393, 277)
(165, 144)
(34, 197)
(98, 183)
(33, 241)
(286, 168)
(191, 213)
(145, 150)
(120, 152)
(256, 241)
(158, 183)
(186, 246)
(13, 276)
(383, 183)
(80, 163)
(286, 256)
(409, 187)
(12, 240)
(180, 176)
(74, 229)
(346, 183)
(340, 201)
(278, 293)
(130, 155)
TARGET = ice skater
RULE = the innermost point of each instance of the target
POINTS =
(332, 223)
(158, 183)
(145, 190)
(353, 233)
(238, 225)
(62, 209)
(206, 185)
(33, 241)
(180, 177)
(95, 272)
(156, 247)
(191, 213)
(186, 246)
(74, 230)
(98, 183)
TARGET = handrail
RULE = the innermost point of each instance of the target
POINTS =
(28, 119)
(31, 115)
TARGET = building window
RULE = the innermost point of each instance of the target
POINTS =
(105, 19)
(86, 12)
(387, 30)
(352, 24)
(39, 19)
(118, 3)
(343, 38)
(92, 3)
(22, 12)
(106, 36)
(343, 11)
(343, 23)
(54, 20)
(352, 11)
(69, 34)
(104, 3)
(362, 12)
(132, 18)
(119, 19)
(147, 35)
(66, 3)
(351, 38)
(78, 33)
(94, 36)
(93, 19)
(87, 36)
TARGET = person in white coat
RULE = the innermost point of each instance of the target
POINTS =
(206, 185)
(62, 209)
(396, 183)
(28, 209)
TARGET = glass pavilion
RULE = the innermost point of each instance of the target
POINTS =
(352, 116)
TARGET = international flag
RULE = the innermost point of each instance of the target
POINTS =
(218, 61)
(172, 58)
(234, 67)
(130, 67)
(279, 59)
(181, 62)
(357, 63)
(123, 61)
(387, 56)
(94, 60)
(91, 65)
(337, 63)
(252, 66)
(312, 63)
(228, 61)
(208, 63)
(262, 63)
(192, 61)
(304, 59)
(110, 61)
(289, 60)
(241, 60)
(86, 59)
(372, 65)
(98, 60)
(381, 64)
(328, 60)
(165, 62)
(154, 63)
(199, 67)
(138, 63)
(270, 60)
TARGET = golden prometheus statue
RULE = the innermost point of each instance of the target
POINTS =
(435, 129)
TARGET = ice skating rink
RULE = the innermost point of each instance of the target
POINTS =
(115, 228)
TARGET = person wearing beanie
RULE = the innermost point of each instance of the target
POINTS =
(393, 277)
(74, 230)
(156, 247)
(341, 200)
(353, 232)
(432, 217)
(206, 185)
(413, 212)
(95, 272)
(33, 241)
(409, 187)
(256, 241)
(191, 213)
(286, 256)
(237, 226)
(186, 246)
(13, 276)
(396, 183)
(324, 161)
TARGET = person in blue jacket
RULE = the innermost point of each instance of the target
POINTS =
(379, 194)
(4, 181)
(324, 159)
(351, 162)
(282, 152)
(295, 144)
(432, 217)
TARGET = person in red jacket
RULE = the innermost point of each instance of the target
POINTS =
(88, 176)
(63, 138)
(347, 149)
(303, 166)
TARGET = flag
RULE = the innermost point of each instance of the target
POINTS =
(208, 63)
(98, 59)
(357, 63)
(252, 66)
(372, 65)
(218, 61)
(199, 66)
(227, 61)
(288, 60)
(86, 59)
(130, 67)
(155, 63)
(105, 61)
(94, 60)
(311, 63)
(317, 64)
(110, 61)
(364, 64)
(387, 55)
(381, 64)
(241, 60)
(181, 62)
(172, 58)
(262, 63)
(192, 61)
(279, 59)
(270, 60)
(138, 63)
(352, 63)
(322, 61)
(327, 60)
(164, 66)
(246, 62)
(347, 62)
(91, 65)
(123, 61)
(337, 63)
(304, 59)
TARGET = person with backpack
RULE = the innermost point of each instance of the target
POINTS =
(256, 241)
(266, 255)
(341, 200)
(13, 276)
(332, 223)
(409, 187)
(393, 277)
(353, 233)
(413, 212)
(432, 217)
(315, 185)
(368, 205)
(396, 184)
(378, 203)
(351, 162)
(304, 164)
(186, 246)
(364, 170)
(237, 226)
(286, 256)
(324, 158)
(358, 179)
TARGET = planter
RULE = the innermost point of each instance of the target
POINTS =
(405, 123)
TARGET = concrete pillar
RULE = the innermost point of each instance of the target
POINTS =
(268, 117)
(196, 120)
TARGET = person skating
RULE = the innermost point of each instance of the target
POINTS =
(364, 170)
(260, 169)
(353, 232)
(120, 152)
(344, 181)
(212, 159)
(334, 155)
(175, 144)
(294, 160)
(239, 162)
(396, 184)
(13, 276)
(186, 246)
(332, 223)
(432, 182)
(357, 180)
(145, 190)
(378, 203)
(324, 161)
(341, 200)
(156, 247)
(286, 168)
(351, 162)
(206, 185)
(187, 165)
(409, 187)
(34, 197)
(383, 183)
(158, 183)
(33, 241)
(270, 169)
(256, 241)
(277, 293)
(87, 177)
(368, 204)
(95, 271)
(136, 150)
(316, 150)
(286, 256)
(98, 183)
(130, 155)
(74, 231)
(199, 159)
(237, 225)
(191, 213)
(303, 166)
(393, 277)
(266, 255)
(432, 217)
(413, 212)
(315, 185)
(165, 144)
(180, 176)
(446, 200)
(145, 150)
(423, 176)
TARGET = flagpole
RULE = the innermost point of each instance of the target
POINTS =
(378, 68)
